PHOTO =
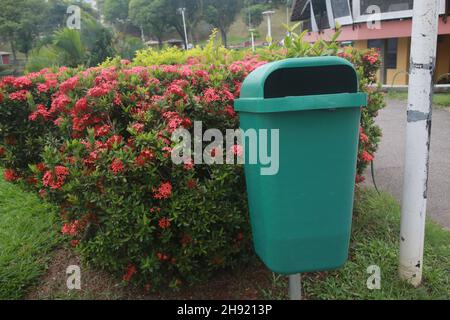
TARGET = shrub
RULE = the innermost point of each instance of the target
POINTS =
(97, 143)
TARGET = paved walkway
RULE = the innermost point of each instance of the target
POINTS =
(388, 164)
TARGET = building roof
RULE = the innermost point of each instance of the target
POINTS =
(3, 53)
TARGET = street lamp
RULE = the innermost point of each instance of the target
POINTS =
(182, 11)
(269, 15)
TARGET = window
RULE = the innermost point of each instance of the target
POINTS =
(375, 44)
(387, 5)
(390, 9)
(388, 50)
(391, 54)
(320, 14)
(341, 11)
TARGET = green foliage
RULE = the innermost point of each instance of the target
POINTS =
(127, 46)
(151, 15)
(252, 15)
(20, 23)
(212, 53)
(66, 49)
(69, 47)
(221, 15)
(115, 11)
(27, 237)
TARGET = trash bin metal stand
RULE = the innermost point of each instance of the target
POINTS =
(295, 287)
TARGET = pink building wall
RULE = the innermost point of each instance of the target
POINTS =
(389, 29)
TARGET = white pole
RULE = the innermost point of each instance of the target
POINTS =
(269, 24)
(269, 27)
(142, 34)
(423, 57)
(184, 26)
(253, 41)
(287, 13)
(295, 287)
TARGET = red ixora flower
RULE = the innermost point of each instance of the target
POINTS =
(359, 178)
(114, 140)
(117, 166)
(143, 157)
(10, 175)
(237, 150)
(191, 184)
(55, 179)
(362, 136)
(210, 95)
(163, 192)
(22, 82)
(137, 127)
(41, 111)
(68, 85)
(74, 243)
(366, 157)
(131, 270)
(230, 111)
(70, 229)
(162, 256)
(188, 165)
(101, 131)
(164, 223)
(20, 95)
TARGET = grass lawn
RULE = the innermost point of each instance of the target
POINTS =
(441, 100)
(375, 242)
(27, 237)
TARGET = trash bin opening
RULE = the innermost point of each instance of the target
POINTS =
(305, 81)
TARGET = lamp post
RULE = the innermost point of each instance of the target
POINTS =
(182, 11)
(269, 15)
(252, 35)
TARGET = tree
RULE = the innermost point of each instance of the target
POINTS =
(115, 11)
(150, 15)
(194, 14)
(221, 14)
(20, 23)
(252, 15)
(97, 39)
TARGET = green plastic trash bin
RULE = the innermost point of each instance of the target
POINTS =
(301, 216)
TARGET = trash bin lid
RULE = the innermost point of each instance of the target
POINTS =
(301, 84)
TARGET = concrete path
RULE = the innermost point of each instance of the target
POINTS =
(388, 164)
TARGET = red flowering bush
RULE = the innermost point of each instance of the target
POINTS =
(367, 63)
(102, 144)
(97, 142)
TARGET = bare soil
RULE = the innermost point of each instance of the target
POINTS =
(248, 283)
